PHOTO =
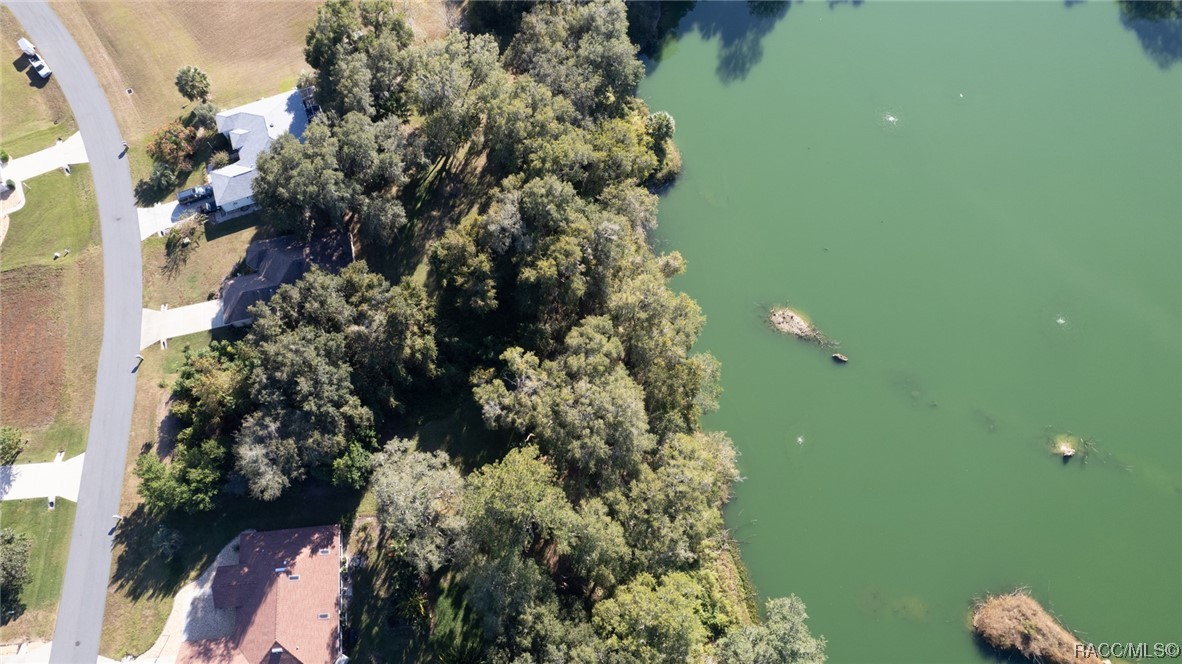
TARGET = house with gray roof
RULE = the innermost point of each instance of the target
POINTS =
(251, 129)
(278, 261)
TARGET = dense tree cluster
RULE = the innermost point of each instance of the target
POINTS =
(596, 533)
(299, 394)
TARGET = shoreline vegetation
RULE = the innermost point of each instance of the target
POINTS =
(1016, 622)
(501, 190)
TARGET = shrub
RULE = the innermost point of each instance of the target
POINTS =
(173, 144)
(10, 184)
(3, 156)
(163, 177)
(219, 159)
(12, 441)
(203, 116)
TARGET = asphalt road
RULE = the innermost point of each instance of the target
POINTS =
(84, 592)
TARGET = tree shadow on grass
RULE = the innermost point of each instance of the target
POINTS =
(141, 572)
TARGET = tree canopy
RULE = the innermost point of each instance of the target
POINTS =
(520, 185)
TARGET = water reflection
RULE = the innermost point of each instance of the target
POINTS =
(1158, 26)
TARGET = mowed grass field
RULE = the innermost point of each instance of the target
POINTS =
(50, 533)
(33, 113)
(248, 49)
(218, 251)
(51, 314)
(60, 213)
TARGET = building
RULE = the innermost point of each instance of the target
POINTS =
(250, 130)
(278, 261)
(286, 595)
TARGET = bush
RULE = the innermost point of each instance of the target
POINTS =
(173, 144)
(10, 184)
(12, 442)
(203, 116)
(3, 156)
(167, 542)
(163, 177)
(219, 159)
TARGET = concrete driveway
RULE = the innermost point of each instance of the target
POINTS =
(70, 151)
(171, 323)
(163, 216)
(42, 480)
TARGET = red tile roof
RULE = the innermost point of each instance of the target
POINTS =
(284, 581)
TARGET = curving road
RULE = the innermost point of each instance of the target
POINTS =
(84, 592)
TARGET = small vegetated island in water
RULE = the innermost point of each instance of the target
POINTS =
(1016, 621)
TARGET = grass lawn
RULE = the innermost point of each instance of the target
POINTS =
(50, 532)
(219, 249)
(249, 50)
(51, 327)
(60, 212)
(33, 112)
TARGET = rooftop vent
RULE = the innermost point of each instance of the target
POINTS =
(325, 552)
(294, 577)
(323, 616)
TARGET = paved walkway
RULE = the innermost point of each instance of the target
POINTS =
(69, 151)
(156, 326)
(42, 480)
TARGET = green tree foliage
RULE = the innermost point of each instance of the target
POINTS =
(782, 638)
(357, 49)
(329, 350)
(653, 621)
(192, 83)
(163, 177)
(418, 497)
(333, 173)
(580, 51)
(301, 184)
(673, 511)
(447, 82)
(14, 571)
(203, 116)
(12, 443)
(583, 407)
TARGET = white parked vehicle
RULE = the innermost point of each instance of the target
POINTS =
(35, 60)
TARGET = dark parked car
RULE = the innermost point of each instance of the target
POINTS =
(209, 207)
(194, 194)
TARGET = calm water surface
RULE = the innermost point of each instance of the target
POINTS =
(982, 203)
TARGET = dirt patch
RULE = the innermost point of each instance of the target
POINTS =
(32, 356)
(1017, 622)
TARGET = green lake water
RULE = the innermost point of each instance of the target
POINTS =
(1001, 261)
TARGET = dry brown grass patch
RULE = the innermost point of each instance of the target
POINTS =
(32, 357)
